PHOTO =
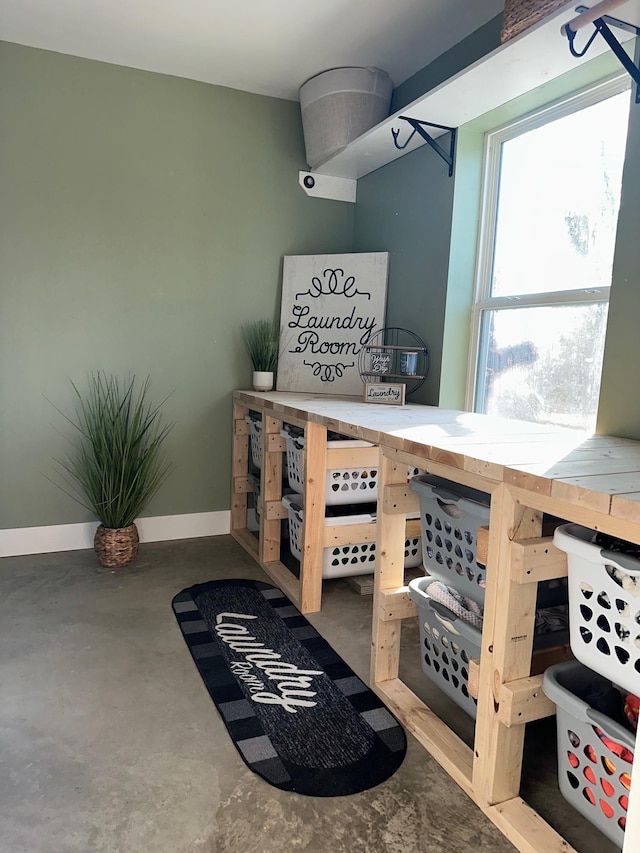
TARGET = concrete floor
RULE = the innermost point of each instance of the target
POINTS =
(110, 743)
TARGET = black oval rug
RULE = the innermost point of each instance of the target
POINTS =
(298, 715)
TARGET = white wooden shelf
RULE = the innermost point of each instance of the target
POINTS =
(535, 57)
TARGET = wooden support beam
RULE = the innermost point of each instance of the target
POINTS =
(241, 427)
(276, 443)
(275, 510)
(248, 541)
(413, 528)
(284, 579)
(525, 829)
(541, 660)
(523, 700)
(477, 474)
(356, 457)
(389, 574)
(537, 559)
(270, 491)
(507, 642)
(395, 604)
(482, 546)
(314, 470)
(348, 534)
(242, 485)
(430, 731)
(399, 499)
(239, 471)
(544, 658)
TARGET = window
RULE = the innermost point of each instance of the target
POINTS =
(550, 208)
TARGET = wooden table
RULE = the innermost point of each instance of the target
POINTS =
(529, 470)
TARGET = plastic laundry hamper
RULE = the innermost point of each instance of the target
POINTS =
(450, 517)
(447, 644)
(595, 753)
(255, 440)
(349, 560)
(339, 105)
(253, 515)
(343, 485)
(604, 606)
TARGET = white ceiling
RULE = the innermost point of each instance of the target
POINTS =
(258, 46)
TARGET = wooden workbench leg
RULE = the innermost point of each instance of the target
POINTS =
(239, 468)
(315, 478)
(507, 642)
(270, 490)
(389, 574)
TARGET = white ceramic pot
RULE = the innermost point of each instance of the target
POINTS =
(262, 380)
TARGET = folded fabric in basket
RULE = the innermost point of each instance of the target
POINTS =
(548, 619)
(457, 603)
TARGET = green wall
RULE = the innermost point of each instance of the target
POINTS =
(469, 50)
(619, 410)
(405, 209)
(143, 219)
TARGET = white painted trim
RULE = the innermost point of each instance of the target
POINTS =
(74, 537)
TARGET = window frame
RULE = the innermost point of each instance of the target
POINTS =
(483, 302)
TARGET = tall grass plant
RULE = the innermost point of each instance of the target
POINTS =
(114, 465)
(261, 338)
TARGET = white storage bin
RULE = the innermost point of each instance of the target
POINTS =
(451, 515)
(253, 514)
(344, 560)
(595, 753)
(255, 440)
(343, 485)
(339, 105)
(604, 606)
(447, 644)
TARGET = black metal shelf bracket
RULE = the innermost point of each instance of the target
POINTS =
(603, 26)
(419, 128)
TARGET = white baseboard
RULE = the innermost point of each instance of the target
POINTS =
(75, 537)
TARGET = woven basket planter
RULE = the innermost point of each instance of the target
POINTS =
(116, 547)
(519, 15)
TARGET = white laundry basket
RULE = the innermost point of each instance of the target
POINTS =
(604, 606)
(339, 561)
(339, 105)
(343, 485)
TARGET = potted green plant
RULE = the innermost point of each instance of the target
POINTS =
(114, 465)
(262, 339)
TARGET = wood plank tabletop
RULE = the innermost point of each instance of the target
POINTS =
(602, 472)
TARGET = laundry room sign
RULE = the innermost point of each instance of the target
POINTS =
(331, 306)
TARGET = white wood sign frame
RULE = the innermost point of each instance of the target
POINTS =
(331, 306)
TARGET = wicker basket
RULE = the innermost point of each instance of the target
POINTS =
(519, 15)
(116, 547)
